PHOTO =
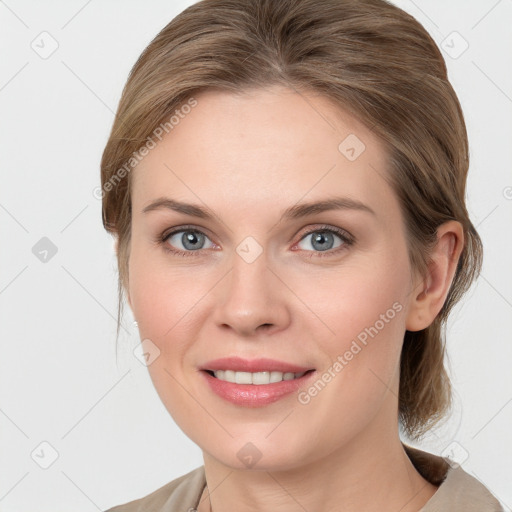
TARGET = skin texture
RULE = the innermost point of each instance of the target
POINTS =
(247, 158)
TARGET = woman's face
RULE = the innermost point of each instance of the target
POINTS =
(322, 289)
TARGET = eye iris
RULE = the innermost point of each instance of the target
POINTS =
(321, 237)
(190, 237)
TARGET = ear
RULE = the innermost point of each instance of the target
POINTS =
(430, 292)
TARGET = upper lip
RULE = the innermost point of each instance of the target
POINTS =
(238, 364)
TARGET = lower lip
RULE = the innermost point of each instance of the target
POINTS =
(255, 395)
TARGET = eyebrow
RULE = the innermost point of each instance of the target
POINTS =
(295, 212)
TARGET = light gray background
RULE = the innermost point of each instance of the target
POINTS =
(60, 382)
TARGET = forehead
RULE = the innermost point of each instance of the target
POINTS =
(261, 147)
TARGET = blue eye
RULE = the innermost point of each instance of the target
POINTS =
(323, 241)
(192, 241)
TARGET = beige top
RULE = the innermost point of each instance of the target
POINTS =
(458, 491)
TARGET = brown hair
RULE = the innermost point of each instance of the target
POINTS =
(370, 58)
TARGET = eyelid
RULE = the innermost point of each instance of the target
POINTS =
(342, 233)
(177, 229)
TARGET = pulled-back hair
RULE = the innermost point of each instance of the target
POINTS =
(373, 60)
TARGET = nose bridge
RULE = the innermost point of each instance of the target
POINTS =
(250, 295)
(249, 266)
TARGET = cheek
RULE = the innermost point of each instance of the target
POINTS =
(360, 313)
(163, 297)
(347, 301)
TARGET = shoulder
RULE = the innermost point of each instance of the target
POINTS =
(461, 491)
(457, 489)
(180, 494)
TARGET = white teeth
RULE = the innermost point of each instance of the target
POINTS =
(257, 378)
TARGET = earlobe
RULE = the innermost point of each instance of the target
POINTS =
(434, 288)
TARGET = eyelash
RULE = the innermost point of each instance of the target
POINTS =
(347, 240)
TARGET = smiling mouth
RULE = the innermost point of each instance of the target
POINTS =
(255, 378)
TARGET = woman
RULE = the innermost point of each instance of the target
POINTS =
(285, 181)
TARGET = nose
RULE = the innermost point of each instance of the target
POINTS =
(251, 298)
